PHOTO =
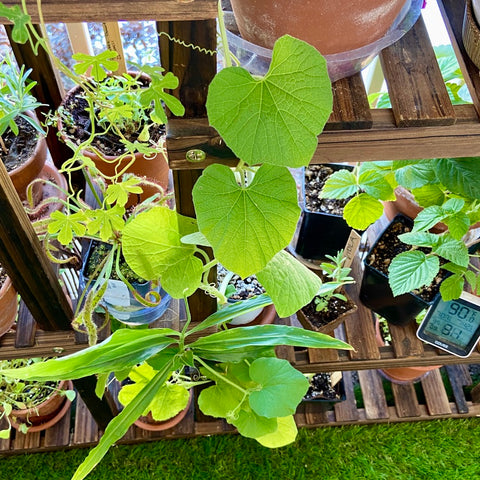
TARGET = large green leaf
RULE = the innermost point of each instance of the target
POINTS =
(420, 239)
(251, 425)
(460, 175)
(118, 427)
(246, 226)
(238, 339)
(221, 401)
(361, 211)
(123, 349)
(290, 284)
(458, 224)
(274, 119)
(151, 244)
(429, 195)
(411, 270)
(283, 387)
(285, 434)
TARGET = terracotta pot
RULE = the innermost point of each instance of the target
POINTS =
(8, 306)
(45, 415)
(401, 374)
(50, 172)
(154, 168)
(330, 26)
(266, 316)
(148, 423)
(23, 175)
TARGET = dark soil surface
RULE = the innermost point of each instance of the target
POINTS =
(335, 308)
(244, 288)
(3, 276)
(389, 247)
(19, 147)
(108, 143)
(321, 388)
(98, 252)
(315, 178)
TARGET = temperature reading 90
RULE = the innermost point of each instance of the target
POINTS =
(453, 325)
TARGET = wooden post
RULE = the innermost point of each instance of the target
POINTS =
(26, 263)
(195, 70)
(46, 91)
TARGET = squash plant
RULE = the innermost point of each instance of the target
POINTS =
(271, 123)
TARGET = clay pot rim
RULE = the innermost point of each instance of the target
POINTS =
(6, 290)
(58, 416)
(166, 424)
(40, 149)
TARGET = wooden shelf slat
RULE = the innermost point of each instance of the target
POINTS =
(416, 86)
(73, 11)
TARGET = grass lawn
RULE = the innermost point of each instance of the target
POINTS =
(442, 449)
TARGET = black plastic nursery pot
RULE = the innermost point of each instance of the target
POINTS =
(376, 294)
(321, 233)
(330, 394)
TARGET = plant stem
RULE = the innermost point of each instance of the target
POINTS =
(223, 36)
(221, 377)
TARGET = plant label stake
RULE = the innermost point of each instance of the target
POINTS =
(453, 326)
(351, 248)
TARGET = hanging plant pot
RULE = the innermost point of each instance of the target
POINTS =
(328, 319)
(8, 303)
(26, 157)
(148, 423)
(401, 374)
(118, 299)
(45, 414)
(153, 167)
(375, 291)
(322, 229)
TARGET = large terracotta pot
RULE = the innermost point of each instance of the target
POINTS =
(8, 306)
(330, 26)
(22, 176)
(46, 414)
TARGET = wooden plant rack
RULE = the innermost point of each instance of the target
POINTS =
(422, 123)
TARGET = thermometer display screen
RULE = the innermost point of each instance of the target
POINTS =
(453, 326)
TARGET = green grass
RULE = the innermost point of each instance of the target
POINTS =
(434, 450)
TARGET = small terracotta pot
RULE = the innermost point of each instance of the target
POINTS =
(401, 374)
(23, 175)
(8, 306)
(330, 26)
(148, 423)
(45, 415)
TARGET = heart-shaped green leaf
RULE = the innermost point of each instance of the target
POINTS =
(152, 247)
(246, 226)
(283, 387)
(362, 210)
(274, 119)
